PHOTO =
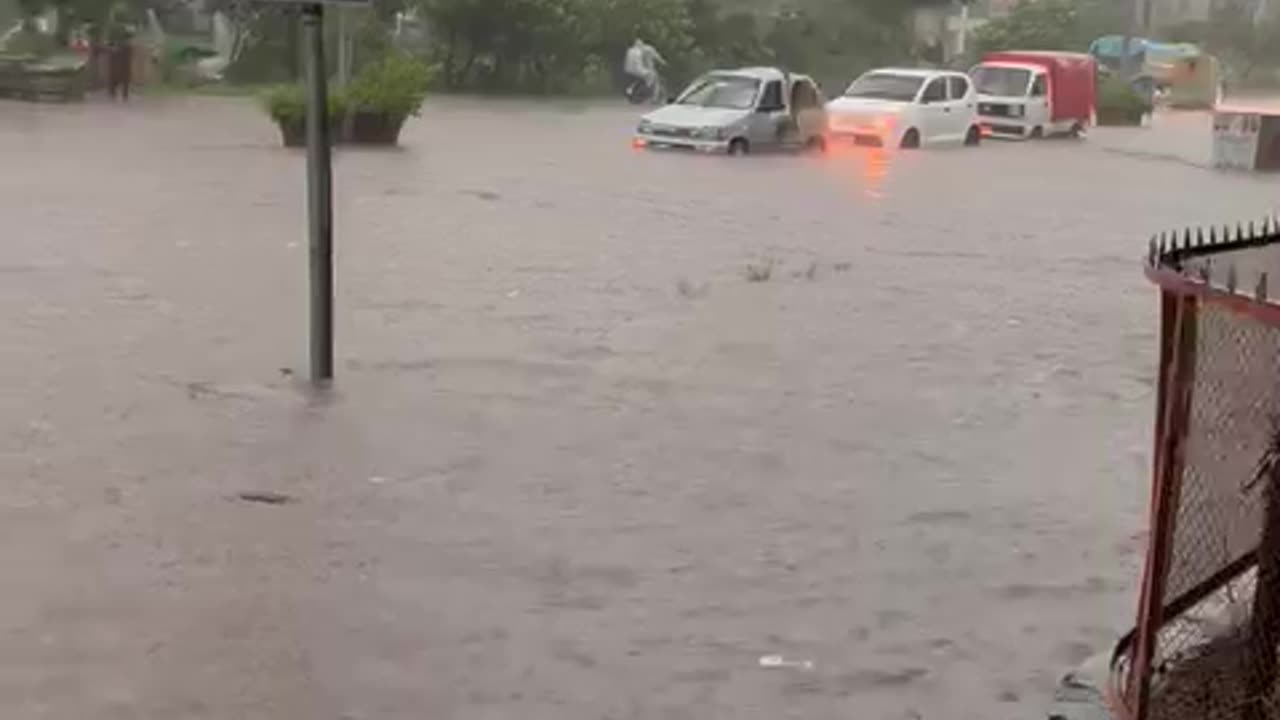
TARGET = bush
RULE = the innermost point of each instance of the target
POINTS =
(287, 104)
(396, 86)
(595, 79)
(1119, 103)
(32, 42)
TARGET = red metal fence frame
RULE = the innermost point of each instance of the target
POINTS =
(1181, 296)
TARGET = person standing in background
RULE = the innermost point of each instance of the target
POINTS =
(120, 63)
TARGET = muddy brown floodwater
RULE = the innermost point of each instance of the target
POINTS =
(577, 466)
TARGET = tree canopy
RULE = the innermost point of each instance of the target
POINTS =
(554, 45)
(1053, 25)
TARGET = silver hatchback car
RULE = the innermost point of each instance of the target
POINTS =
(738, 112)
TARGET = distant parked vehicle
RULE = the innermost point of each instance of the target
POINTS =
(739, 112)
(906, 108)
(1029, 94)
(1185, 76)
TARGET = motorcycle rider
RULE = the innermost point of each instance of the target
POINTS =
(641, 63)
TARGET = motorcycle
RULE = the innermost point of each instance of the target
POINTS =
(640, 92)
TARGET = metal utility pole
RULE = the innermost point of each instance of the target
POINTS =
(1131, 30)
(962, 42)
(319, 183)
(344, 48)
(319, 196)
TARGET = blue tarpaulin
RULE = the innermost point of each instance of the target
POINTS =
(1112, 47)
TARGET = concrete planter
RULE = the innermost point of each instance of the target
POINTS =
(360, 128)
(373, 128)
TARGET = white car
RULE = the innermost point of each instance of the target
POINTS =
(906, 108)
(739, 112)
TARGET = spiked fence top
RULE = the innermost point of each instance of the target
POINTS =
(1233, 265)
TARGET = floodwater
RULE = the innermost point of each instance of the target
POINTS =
(577, 465)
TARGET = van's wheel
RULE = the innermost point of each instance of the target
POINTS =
(739, 146)
(973, 138)
(911, 140)
(817, 144)
(1037, 133)
(1076, 131)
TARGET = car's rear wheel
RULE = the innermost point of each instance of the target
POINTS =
(1037, 133)
(911, 140)
(973, 138)
(1076, 130)
(739, 146)
(817, 144)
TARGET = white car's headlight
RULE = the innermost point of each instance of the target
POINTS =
(709, 133)
(644, 126)
(1017, 110)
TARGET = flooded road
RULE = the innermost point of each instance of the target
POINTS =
(609, 426)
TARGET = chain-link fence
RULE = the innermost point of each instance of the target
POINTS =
(1209, 625)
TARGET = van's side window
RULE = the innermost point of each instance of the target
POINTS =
(772, 98)
(1040, 87)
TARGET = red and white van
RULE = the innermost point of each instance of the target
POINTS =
(1034, 94)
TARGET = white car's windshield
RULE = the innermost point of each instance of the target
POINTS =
(1002, 81)
(722, 91)
(885, 86)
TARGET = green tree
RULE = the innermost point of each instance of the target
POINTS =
(1042, 25)
(554, 45)
(1235, 35)
(545, 45)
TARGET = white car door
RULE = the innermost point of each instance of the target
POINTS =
(934, 111)
(810, 115)
(769, 116)
(1038, 110)
(963, 107)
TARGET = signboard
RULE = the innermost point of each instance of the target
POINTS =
(1235, 140)
(1246, 139)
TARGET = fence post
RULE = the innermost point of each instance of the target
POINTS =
(1178, 322)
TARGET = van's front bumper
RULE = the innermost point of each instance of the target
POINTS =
(667, 142)
(1004, 127)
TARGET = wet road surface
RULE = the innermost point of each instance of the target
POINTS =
(577, 465)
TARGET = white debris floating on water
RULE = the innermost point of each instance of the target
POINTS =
(775, 662)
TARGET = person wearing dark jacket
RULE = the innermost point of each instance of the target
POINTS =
(120, 65)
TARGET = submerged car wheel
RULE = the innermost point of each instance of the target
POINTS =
(739, 146)
(817, 144)
(1037, 133)
(911, 140)
(973, 138)
(1076, 131)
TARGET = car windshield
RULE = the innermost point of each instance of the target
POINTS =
(886, 86)
(1003, 81)
(722, 91)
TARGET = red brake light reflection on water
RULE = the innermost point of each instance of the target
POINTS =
(638, 143)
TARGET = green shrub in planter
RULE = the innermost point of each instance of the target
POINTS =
(287, 106)
(383, 95)
(1120, 104)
